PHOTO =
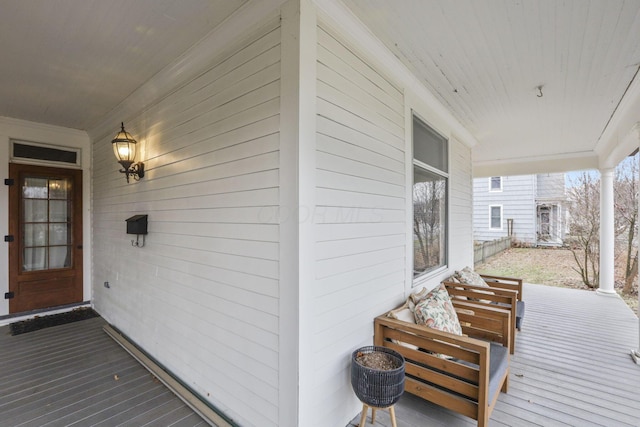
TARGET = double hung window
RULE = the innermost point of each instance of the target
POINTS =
(495, 213)
(495, 183)
(430, 193)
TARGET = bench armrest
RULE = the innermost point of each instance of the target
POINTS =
(488, 299)
(502, 282)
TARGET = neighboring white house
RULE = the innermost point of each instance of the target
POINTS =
(530, 208)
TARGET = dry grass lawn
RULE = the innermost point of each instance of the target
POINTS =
(546, 266)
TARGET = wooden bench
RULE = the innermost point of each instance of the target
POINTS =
(513, 284)
(461, 373)
(462, 293)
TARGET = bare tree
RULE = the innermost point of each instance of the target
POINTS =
(626, 218)
(584, 198)
(584, 227)
(428, 200)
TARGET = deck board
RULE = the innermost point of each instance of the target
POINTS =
(76, 375)
(571, 368)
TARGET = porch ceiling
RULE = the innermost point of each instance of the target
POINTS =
(69, 63)
(485, 59)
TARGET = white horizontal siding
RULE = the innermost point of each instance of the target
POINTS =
(460, 206)
(202, 295)
(360, 211)
(517, 199)
(550, 186)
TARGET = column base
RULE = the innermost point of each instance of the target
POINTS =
(635, 355)
(606, 293)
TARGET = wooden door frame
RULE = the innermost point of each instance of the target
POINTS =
(16, 171)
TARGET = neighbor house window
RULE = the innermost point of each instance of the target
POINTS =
(496, 217)
(495, 183)
(430, 188)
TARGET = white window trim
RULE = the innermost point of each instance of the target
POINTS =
(495, 190)
(52, 163)
(411, 162)
(501, 218)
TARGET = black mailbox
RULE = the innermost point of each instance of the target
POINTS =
(137, 224)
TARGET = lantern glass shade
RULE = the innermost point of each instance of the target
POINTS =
(124, 148)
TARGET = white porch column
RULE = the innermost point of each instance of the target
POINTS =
(607, 237)
(298, 208)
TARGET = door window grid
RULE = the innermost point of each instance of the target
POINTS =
(46, 223)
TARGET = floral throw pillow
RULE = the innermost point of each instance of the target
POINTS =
(436, 311)
(470, 277)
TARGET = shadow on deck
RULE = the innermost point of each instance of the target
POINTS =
(572, 367)
(75, 374)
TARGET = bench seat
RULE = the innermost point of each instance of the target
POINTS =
(462, 373)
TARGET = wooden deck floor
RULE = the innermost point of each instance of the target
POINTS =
(571, 368)
(76, 375)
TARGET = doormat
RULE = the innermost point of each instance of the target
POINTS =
(40, 322)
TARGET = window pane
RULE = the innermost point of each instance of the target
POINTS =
(496, 183)
(58, 211)
(59, 256)
(59, 234)
(35, 259)
(44, 153)
(429, 147)
(35, 210)
(58, 189)
(429, 221)
(35, 235)
(496, 217)
(35, 188)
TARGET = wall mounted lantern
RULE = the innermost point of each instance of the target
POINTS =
(124, 147)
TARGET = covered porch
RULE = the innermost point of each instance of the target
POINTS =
(280, 156)
(571, 367)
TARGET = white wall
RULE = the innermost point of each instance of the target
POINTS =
(517, 199)
(364, 207)
(258, 278)
(202, 295)
(54, 135)
(460, 206)
(550, 186)
(360, 250)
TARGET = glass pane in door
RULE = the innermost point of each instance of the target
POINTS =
(35, 210)
(35, 188)
(46, 223)
(58, 189)
(34, 259)
(35, 235)
(59, 256)
(58, 210)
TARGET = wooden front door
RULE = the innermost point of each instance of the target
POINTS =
(45, 222)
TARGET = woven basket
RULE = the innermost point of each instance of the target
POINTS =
(374, 387)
